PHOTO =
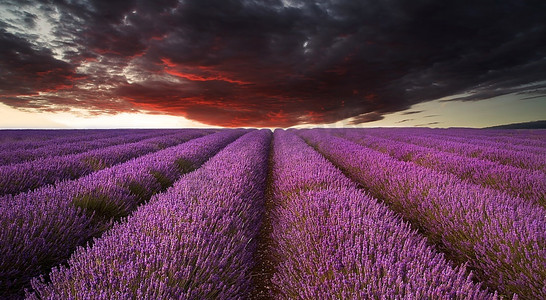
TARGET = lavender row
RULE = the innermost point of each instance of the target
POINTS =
(513, 143)
(509, 143)
(36, 135)
(518, 182)
(473, 137)
(332, 240)
(12, 156)
(502, 156)
(26, 176)
(519, 135)
(195, 241)
(42, 228)
(527, 137)
(74, 136)
(522, 140)
(33, 139)
(501, 237)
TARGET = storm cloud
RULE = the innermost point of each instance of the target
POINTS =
(267, 63)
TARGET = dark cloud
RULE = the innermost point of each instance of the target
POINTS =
(428, 124)
(412, 112)
(266, 63)
(365, 118)
(533, 93)
(405, 120)
(29, 19)
(25, 70)
(543, 95)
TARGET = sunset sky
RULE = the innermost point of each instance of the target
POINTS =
(199, 63)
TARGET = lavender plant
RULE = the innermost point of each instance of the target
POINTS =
(14, 155)
(26, 176)
(41, 228)
(34, 139)
(527, 184)
(494, 152)
(332, 241)
(501, 237)
(195, 241)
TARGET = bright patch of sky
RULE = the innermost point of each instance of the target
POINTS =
(440, 113)
(40, 30)
(12, 118)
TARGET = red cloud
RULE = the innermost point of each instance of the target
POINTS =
(199, 73)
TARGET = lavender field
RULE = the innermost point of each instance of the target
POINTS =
(378, 213)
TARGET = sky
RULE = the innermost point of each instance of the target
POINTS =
(271, 63)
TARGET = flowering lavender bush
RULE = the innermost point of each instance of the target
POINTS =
(516, 141)
(41, 228)
(331, 240)
(496, 138)
(85, 143)
(34, 139)
(493, 152)
(25, 176)
(501, 237)
(528, 184)
(195, 241)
